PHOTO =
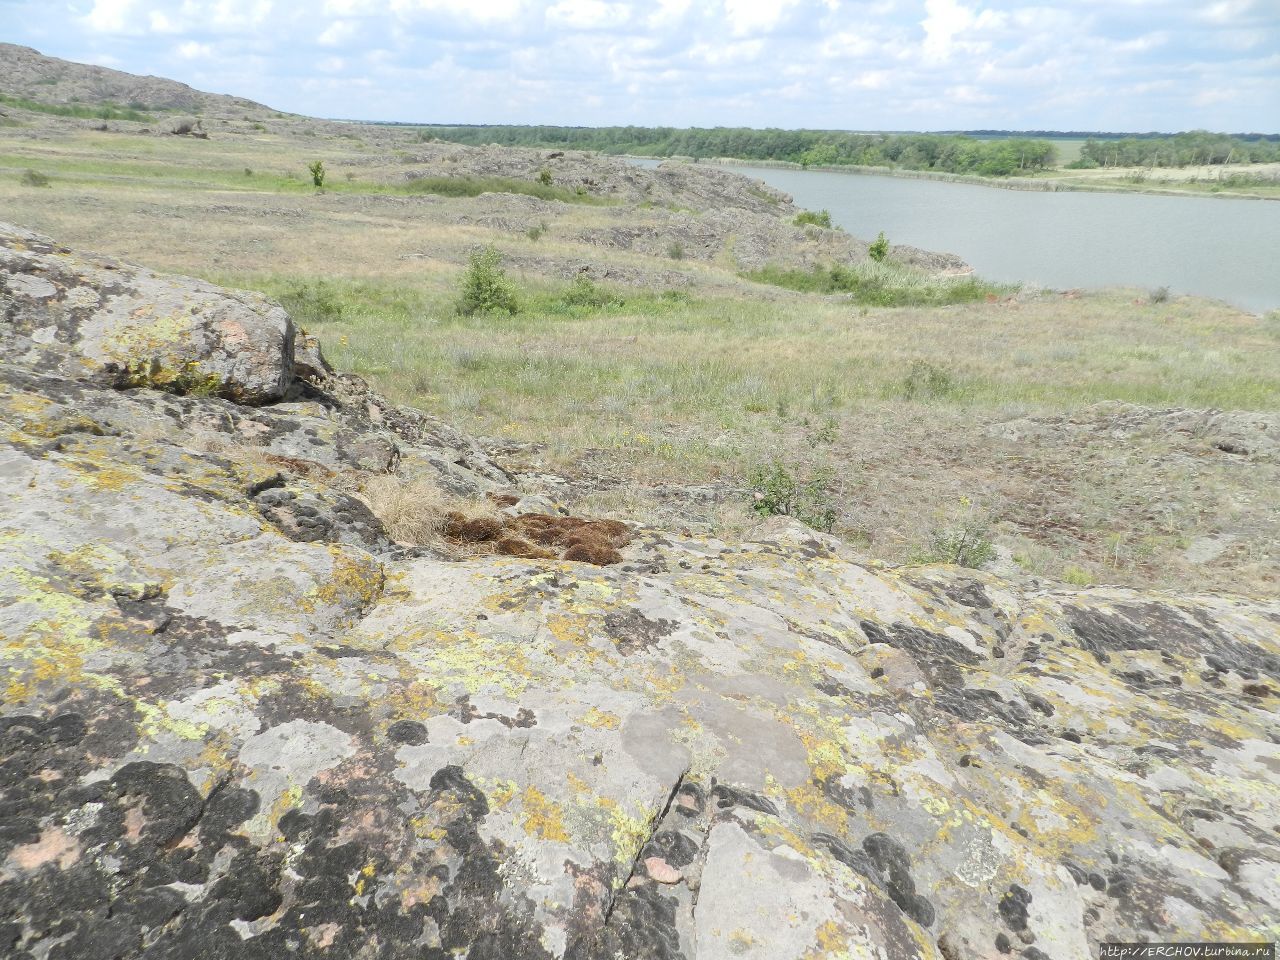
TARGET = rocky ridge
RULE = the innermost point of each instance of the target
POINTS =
(31, 75)
(238, 720)
(710, 214)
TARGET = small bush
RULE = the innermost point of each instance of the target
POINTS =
(485, 287)
(317, 173)
(544, 177)
(878, 250)
(34, 178)
(1159, 295)
(584, 292)
(248, 171)
(821, 218)
(675, 250)
(777, 490)
(926, 381)
(537, 232)
(1076, 576)
(312, 302)
(965, 544)
(1271, 323)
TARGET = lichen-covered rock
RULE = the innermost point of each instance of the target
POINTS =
(233, 725)
(134, 326)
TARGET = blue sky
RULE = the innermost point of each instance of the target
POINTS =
(878, 65)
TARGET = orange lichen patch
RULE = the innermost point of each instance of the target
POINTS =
(54, 846)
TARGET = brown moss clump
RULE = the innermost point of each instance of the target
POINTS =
(583, 541)
(595, 553)
(463, 529)
(517, 547)
(419, 513)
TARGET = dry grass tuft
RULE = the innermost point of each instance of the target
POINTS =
(413, 511)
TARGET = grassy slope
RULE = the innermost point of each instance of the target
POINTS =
(700, 385)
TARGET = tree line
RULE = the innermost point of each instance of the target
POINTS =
(1195, 148)
(950, 153)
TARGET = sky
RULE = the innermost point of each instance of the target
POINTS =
(1118, 65)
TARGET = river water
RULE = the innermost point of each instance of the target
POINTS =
(1214, 247)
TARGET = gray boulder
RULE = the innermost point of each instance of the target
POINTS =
(130, 326)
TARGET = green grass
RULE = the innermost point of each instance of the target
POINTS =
(474, 186)
(101, 111)
(158, 173)
(630, 364)
(880, 284)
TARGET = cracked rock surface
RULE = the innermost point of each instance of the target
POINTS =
(234, 722)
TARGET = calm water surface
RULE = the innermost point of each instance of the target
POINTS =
(1214, 247)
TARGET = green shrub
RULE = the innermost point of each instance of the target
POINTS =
(675, 250)
(104, 111)
(878, 250)
(311, 303)
(1271, 323)
(544, 177)
(821, 218)
(584, 292)
(880, 284)
(777, 490)
(317, 172)
(1159, 295)
(926, 381)
(34, 178)
(485, 288)
(536, 232)
(465, 186)
(965, 543)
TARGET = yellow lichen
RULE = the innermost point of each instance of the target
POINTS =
(543, 817)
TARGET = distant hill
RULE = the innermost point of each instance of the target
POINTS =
(27, 74)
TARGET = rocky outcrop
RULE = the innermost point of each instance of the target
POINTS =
(27, 73)
(131, 326)
(237, 721)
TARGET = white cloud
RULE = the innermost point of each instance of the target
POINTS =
(1069, 64)
(337, 33)
(110, 16)
(587, 14)
(756, 16)
(947, 21)
(479, 11)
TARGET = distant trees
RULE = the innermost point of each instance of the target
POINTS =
(950, 153)
(1195, 148)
